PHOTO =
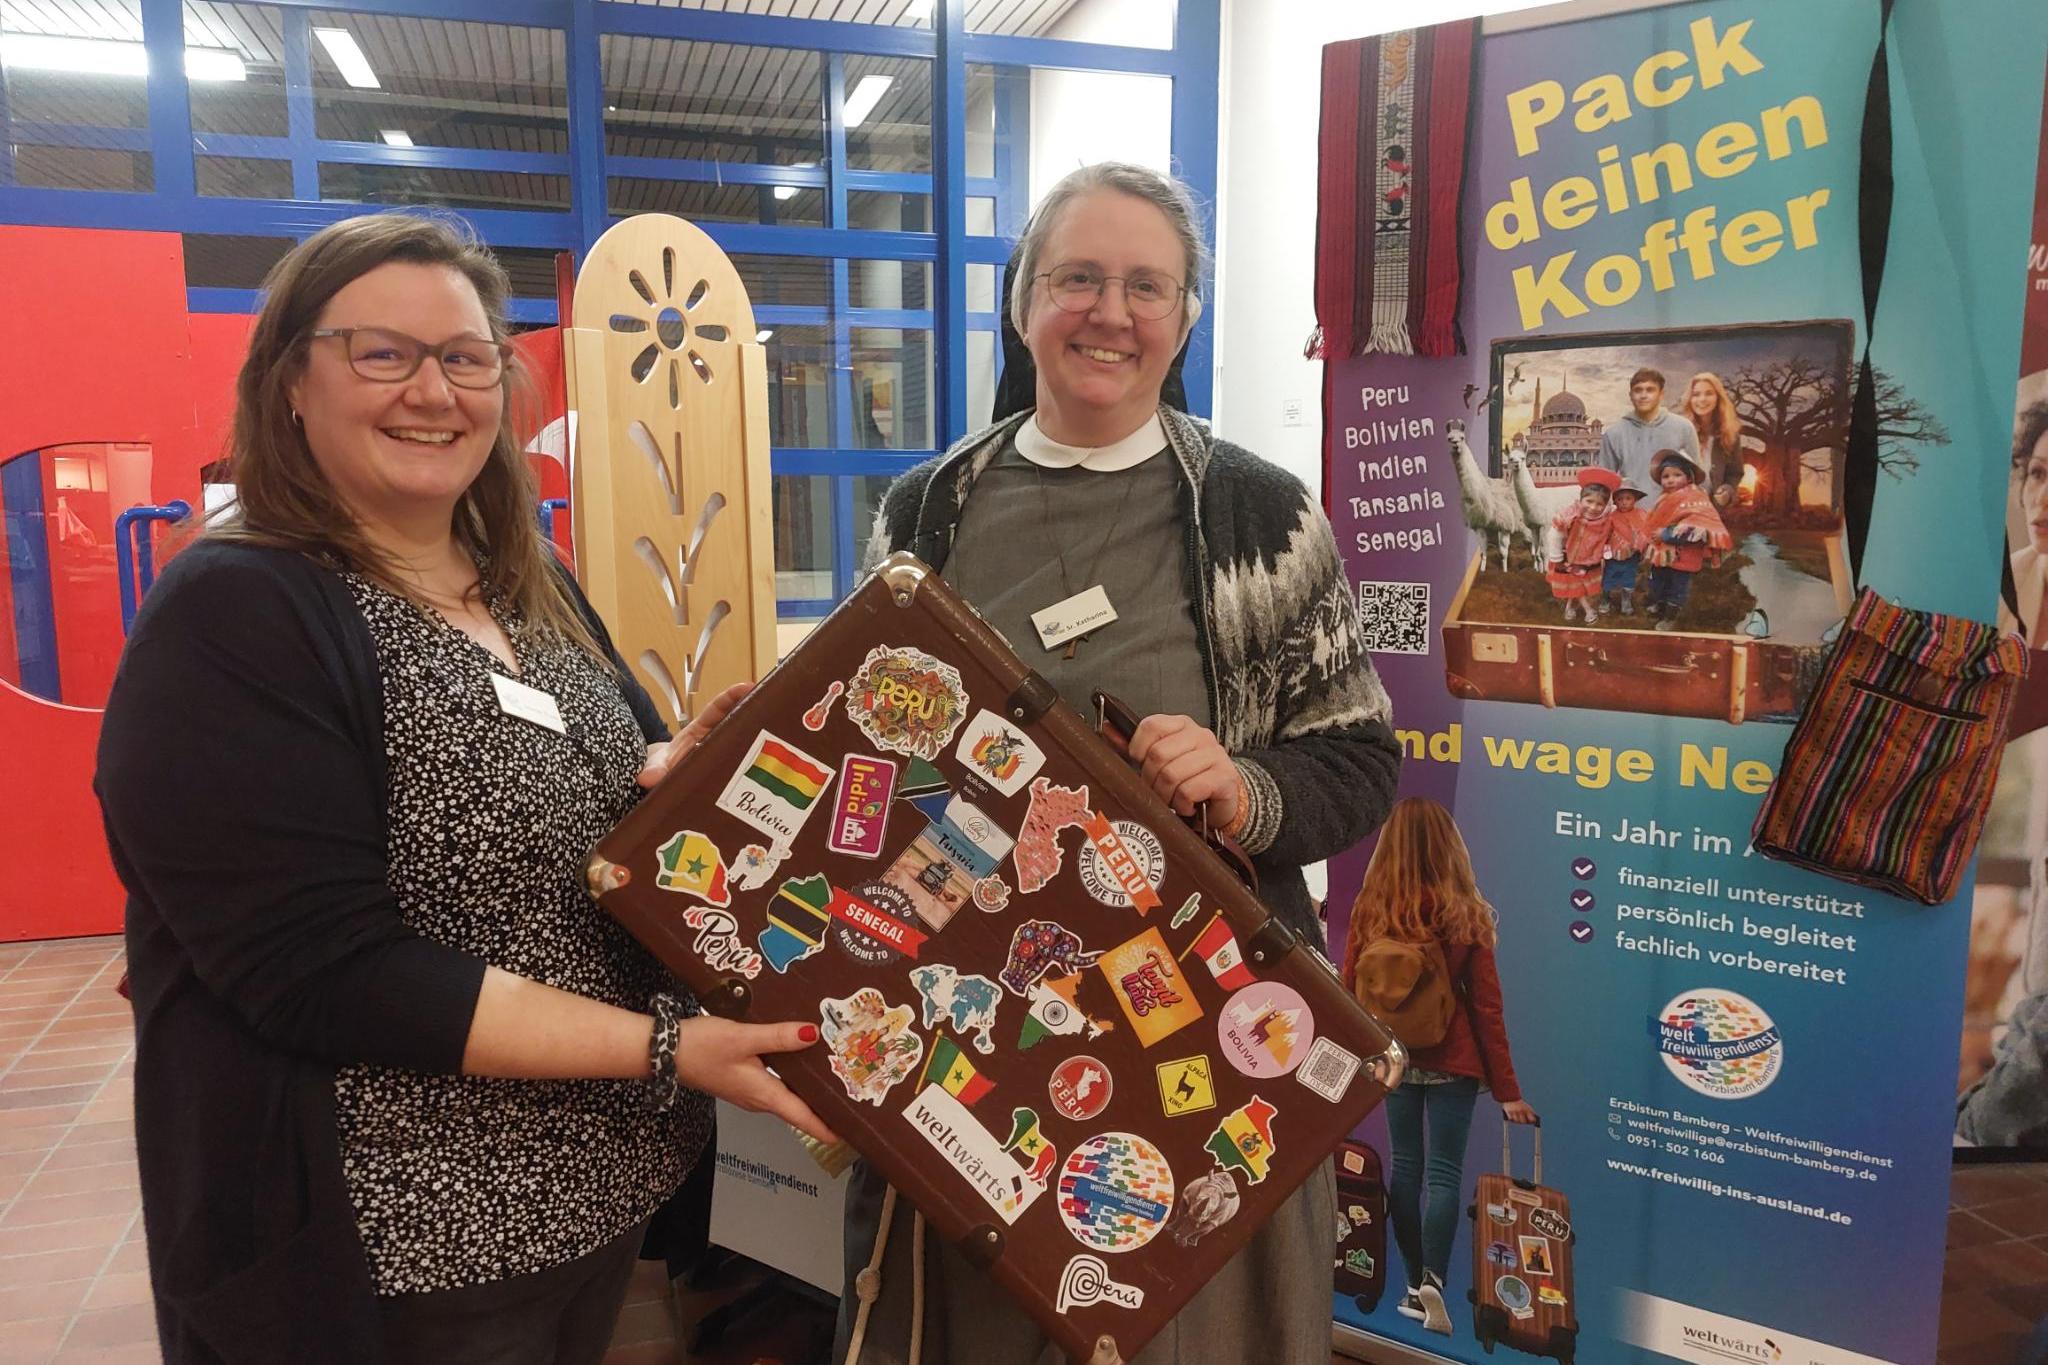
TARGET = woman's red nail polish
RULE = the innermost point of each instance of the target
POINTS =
(808, 1033)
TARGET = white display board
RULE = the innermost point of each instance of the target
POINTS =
(772, 1202)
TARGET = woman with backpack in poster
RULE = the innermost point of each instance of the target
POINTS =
(1419, 955)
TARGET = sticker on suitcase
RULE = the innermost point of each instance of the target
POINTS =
(776, 788)
(799, 919)
(755, 865)
(1052, 810)
(972, 1152)
(1039, 947)
(1055, 1011)
(1265, 1029)
(1079, 1088)
(871, 1042)
(1513, 1293)
(1217, 947)
(906, 701)
(1536, 1255)
(1551, 1224)
(966, 1003)
(1206, 1203)
(875, 924)
(1243, 1142)
(718, 941)
(1086, 1282)
(1122, 863)
(939, 869)
(1185, 1086)
(1327, 1069)
(860, 813)
(991, 895)
(999, 753)
(1116, 1192)
(690, 863)
(821, 710)
(1150, 988)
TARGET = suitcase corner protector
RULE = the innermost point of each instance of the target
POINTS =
(1106, 1352)
(903, 573)
(603, 875)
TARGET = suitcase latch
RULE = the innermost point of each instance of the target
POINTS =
(983, 1246)
(1272, 942)
(1031, 700)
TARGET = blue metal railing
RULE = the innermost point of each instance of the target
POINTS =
(548, 508)
(135, 551)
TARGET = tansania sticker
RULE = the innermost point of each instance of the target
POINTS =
(776, 788)
(692, 864)
(999, 753)
(860, 814)
(799, 917)
(907, 701)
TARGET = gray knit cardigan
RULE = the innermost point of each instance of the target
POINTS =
(1292, 691)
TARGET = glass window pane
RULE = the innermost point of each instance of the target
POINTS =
(75, 98)
(799, 387)
(981, 378)
(889, 13)
(707, 203)
(790, 281)
(981, 288)
(443, 83)
(81, 168)
(698, 101)
(1027, 128)
(889, 284)
(73, 154)
(867, 500)
(803, 535)
(879, 211)
(888, 114)
(892, 388)
(981, 217)
(443, 188)
(1131, 23)
(225, 262)
(253, 106)
(242, 177)
(531, 268)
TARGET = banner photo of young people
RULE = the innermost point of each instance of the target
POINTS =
(1593, 331)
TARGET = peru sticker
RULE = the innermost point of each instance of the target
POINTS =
(872, 1044)
(1080, 1088)
(1122, 863)
(1086, 1282)
(776, 788)
(906, 701)
(719, 943)
(860, 813)
(999, 753)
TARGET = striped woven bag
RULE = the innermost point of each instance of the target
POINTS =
(1887, 778)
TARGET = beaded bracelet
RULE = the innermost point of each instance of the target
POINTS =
(669, 1013)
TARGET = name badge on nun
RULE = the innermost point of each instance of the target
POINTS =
(531, 704)
(1067, 621)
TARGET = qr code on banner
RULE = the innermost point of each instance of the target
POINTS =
(1396, 617)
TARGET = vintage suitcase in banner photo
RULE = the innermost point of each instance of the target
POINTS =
(1361, 1225)
(1765, 585)
(1522, 1286)
(1052, 1016)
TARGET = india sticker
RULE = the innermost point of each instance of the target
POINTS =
(860, 814)
(776, 788)
(1040, 946)
(1265, 1030)
(999, 752)
(1054, 1010)
(872, 1043)
(1122, 863)
(1116, 1192)
(906, 701)
(1080, 1088)
(1185, 1086)
(1149, 986)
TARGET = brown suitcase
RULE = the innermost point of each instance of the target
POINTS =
(1053, 1017)
(1523, 1293)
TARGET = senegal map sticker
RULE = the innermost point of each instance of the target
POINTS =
(1052, 809)
(860, 813)
(871, 1041)
(1149, 986)
(1206, 1203)
(906, 701)
(776, 788)
(999, 753)
(1243, 1142)
(1116, 1192)
(1265, 1029)
(970, 1151)
(1029, 1146)
(966, 1003)
(692, 864)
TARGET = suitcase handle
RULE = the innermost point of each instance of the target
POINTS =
(1507, 1150)
(1117, 723)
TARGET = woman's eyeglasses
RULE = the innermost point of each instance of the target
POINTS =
(1149, 294)
(387, 357)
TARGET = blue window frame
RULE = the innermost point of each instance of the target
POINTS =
(872, 246)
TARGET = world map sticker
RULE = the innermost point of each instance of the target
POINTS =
(906, 701)
(1116, 1192)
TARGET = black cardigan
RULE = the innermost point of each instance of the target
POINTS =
(241, 778)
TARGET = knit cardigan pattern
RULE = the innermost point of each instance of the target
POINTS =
(1293, 693)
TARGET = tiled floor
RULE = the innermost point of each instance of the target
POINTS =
(73, 1286)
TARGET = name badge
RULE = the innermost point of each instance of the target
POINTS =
(515, 698)
(1074, 617)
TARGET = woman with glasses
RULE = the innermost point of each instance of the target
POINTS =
(1229, 626)
(403, 1092)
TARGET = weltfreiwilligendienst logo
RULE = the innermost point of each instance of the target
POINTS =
(1719, 1043)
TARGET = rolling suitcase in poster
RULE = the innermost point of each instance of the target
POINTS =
(1361, 1225)
(1053, 1018)
(1523, 1294)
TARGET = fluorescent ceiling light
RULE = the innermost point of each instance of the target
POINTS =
(865, 97)
(395, 137)
(347, 57)
(112, 57)
(764, 334)
(919, 10)
(785, 192)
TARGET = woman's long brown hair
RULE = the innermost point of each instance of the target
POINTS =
(281, 497)
(1418, 886)
(1724, 426)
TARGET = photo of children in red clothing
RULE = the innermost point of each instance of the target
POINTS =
(1585, 531)
(1420, 954)
(1684, 534)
